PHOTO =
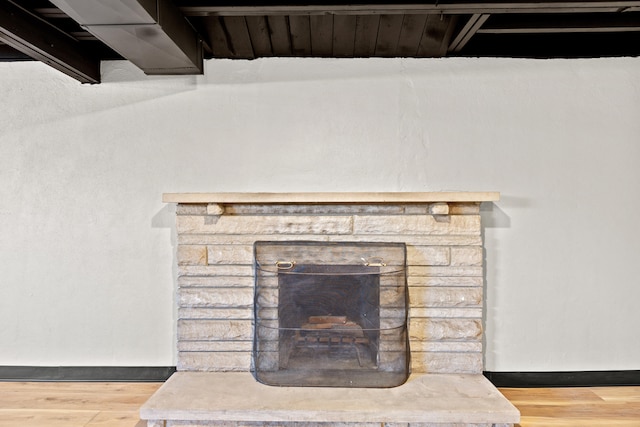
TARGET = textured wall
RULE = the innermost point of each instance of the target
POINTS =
(87, 247)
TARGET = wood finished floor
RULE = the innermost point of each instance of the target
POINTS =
(43, 404)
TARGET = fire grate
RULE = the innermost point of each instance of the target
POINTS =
(330, 314)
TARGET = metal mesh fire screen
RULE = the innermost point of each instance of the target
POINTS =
(330, 314)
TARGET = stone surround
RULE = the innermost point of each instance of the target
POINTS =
(234, 399)
(442, 233)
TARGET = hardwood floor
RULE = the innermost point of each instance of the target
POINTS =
(584, 407)
(73, 404)
(81, 404)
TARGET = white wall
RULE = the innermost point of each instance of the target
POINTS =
(86, 246)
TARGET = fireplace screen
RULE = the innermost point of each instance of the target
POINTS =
(330, 314)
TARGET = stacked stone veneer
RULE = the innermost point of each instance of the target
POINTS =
(444, 274)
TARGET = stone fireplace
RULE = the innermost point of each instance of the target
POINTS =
(221, 238)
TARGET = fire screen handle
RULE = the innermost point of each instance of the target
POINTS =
(285, 265)
(374, 262)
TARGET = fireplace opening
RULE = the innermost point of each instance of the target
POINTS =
(330, 314)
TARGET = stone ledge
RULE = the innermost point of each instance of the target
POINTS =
(330, 198)
(210, 398)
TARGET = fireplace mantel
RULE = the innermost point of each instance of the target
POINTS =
(333, 197)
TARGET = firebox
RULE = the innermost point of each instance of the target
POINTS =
(330, 314)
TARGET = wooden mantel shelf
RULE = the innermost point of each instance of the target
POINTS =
(329, 198)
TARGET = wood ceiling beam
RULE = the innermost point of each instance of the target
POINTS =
(581, 23)
(469, 29)
(194, 8)
(39, 40)
(7, 53)
(152, 34)
(50, 12)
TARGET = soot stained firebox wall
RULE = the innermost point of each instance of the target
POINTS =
(330, 314)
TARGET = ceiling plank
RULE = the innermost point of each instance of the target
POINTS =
(437, 35)
(468, 30)
(300, 35)
(366, 35)
(239, 37)
(218, 37)
(259, 32)
(412, 28)
(388, 35)
(280, 36)
(38, 39)
(344, 35)
(321, 35)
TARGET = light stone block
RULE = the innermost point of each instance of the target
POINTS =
(214, 361)
(429, 271)
(391, 313)
(439, 209)
(392, 297)
(466, 256)
(440, 312)
(391, 323)
(215, 346)
(446, 363)
(445, 297)
(464, 208)
(313, 209)
(447, 346)
(445, 329)
(268, 298)
(215, 281)
(269, 361)
(413, 239)
(267, 281)
(389, 361)
(258, 225)
(426, 281)
(416, 209)
(428, 255)
(191, 255)
(268, 331)
(216, 297)
(191, 209)
(388, 345)
(230, 254)
(268, 313)
(248, 239)
(269, 255)
(212, 330)
(215, 313)
(215, 209)
(416, 224)
(215, 270)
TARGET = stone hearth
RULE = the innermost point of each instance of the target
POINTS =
(216, 233)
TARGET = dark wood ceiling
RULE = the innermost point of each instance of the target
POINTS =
(39, 30)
